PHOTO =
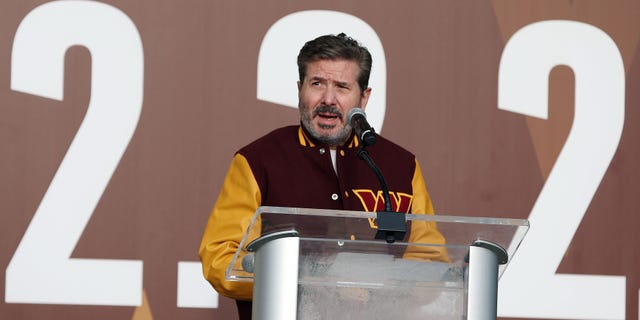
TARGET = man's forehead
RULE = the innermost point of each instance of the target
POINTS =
(335, 70)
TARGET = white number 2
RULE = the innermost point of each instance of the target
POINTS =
(530, 287)
(41, 270)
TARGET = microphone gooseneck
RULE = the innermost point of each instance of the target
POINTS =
(392, 226)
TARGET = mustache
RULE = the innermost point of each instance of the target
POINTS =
(328, 109)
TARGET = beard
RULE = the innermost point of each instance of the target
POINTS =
(331, 140)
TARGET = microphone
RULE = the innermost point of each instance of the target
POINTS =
(358, 120)
(392, 226)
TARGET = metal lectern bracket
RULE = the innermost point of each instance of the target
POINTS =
(254, 245)
(500, 252)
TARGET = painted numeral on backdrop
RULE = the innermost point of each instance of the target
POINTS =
(41, 270)
(530, 286)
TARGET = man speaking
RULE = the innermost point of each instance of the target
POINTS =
(314, 164)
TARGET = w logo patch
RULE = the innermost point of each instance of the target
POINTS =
(372, 202)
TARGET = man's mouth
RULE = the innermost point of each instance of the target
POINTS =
(328, 113)
(328, 116)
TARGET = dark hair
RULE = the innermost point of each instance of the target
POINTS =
(332, 47)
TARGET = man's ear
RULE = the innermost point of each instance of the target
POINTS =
(365, 98)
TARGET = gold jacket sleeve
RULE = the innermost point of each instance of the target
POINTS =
(422, 231)
(238, 200)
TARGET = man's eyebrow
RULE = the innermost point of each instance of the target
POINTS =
(320, 78)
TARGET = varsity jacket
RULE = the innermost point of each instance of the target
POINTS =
(287, 168)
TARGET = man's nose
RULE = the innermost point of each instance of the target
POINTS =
(329, 96)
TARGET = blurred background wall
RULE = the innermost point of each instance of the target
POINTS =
(118, 120)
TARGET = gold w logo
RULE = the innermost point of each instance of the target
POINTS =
(371, 202)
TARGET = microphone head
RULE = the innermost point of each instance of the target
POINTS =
(358, 120)
(354, 112)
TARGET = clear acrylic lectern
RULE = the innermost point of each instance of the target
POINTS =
(326, 264)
